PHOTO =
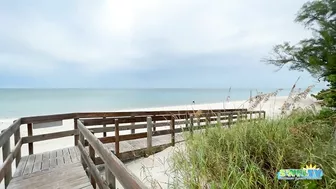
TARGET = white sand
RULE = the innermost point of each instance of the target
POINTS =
(157, 164)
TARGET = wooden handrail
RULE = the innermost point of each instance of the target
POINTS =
(7, 163)
(102, 121)
(118, 169)
(54, 135)
(111, 139)
(7, 133)
(10, 130)
(7, 154)
(91, 166)
(47, 118)
(48, 136)
(57, 117)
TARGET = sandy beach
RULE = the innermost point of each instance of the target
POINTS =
(154, 169)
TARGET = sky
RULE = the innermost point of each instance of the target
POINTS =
(146, 44)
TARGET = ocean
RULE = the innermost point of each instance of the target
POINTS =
(30, 102)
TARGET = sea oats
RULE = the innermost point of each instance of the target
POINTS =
(288, 103)
(258, 99)
(198, 113)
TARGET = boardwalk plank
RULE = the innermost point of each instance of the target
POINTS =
(59, 152)
(37, 163)
(73, 154)
(46, 155)
(30, 164)
(68, 176)
(157, 141)
(45, 164)
(125, 146)
(38, 157)
(53, 154)
(77, 152)
(67, 159)
(37, 166)
(78, 159)
(71, 182)
(138, 143)
(60, 161)
(49, 176)
(58, 170)
(20, 169)
(53, 163)
(66, 152)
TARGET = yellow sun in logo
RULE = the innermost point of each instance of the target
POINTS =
(310, 167)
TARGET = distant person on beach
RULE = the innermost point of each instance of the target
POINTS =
(193, 101)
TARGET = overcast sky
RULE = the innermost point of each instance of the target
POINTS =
(147, 43)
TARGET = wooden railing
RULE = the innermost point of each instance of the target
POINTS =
(114, 168)
(104, 119)
(8, 155)
(191, 123)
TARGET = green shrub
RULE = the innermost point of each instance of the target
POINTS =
(250, 154)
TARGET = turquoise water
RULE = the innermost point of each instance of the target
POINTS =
(29, 102)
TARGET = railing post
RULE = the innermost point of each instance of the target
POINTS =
(76, 136)
(104, 126)
(116, 146)
(245, 116)
(5, 153)
(92, 156)
(191, 123)
(110, 178)
(219, 119)
(230, 120)
(82, 141)
(17, 136)
(133, 123)
(30, 133)
(149, 135)
(154, 128)
(187, 120)
(207, 118)
(172, 128)
(199, 121)
(238, 117)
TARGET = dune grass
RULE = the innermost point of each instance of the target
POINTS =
(250, 154)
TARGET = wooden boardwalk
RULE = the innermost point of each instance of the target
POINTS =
(62, 168)
(55, 169)
(63, 176)
(47, 160)
(76, 167)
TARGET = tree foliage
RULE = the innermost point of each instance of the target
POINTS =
(317, 55)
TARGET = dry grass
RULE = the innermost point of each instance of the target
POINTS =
(250, 154)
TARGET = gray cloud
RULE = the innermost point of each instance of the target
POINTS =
(144, 42)
(115, 33)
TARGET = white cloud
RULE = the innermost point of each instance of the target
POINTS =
(25, 63)
(114, 34)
